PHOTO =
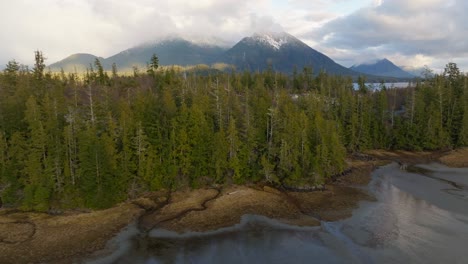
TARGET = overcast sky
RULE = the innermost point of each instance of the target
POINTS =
(408, 32)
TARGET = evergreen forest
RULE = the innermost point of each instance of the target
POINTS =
(92, 140)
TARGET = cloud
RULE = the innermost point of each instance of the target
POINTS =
(400, 29)
(263, 24)
(62, 27)
(349, 31)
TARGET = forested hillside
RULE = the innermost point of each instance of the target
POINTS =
(71, 141)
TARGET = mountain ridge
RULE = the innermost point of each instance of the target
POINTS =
(175, 51)
(382, 67)
(77, 62)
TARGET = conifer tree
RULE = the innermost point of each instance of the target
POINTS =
(39, 65)
(38, 187)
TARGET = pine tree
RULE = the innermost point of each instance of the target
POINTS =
(200, 136)
(220, 150)
(38, 187)
(181, 152)
(39, 65)
(4, 181)
(234, 146)
(153, 65)
(14, 162)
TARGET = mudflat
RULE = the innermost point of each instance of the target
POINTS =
(27, 237)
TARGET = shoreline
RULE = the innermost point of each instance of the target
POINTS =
(29, 237)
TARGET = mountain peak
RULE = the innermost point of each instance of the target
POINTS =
(385, 61)
(273, 39)
(373, 62)
(77, 62)
(382, 67)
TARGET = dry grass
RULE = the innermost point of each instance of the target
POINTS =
(296, 208)
(332, 204)
(456, 158)
(180, 203)
(41, 238)
(405, 156)
(234, 202)
(359, 174)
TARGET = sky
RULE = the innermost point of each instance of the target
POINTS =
(413, 33)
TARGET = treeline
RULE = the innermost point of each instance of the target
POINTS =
(68, 141)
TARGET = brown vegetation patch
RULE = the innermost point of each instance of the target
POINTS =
(409, 157)
(332, 204)
(16, 231)
(180, 203)
(457, 158)
(359, 173)
(295, 208)
(153, 201)
(235, 202)
(41, 238)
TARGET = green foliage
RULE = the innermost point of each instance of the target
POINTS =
(97, 141)
(39, 65)
(12, 67)
(102, 78)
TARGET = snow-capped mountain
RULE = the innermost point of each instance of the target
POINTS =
(382, 67)
(281, 51)
(272, 39)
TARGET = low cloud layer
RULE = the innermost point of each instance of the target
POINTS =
(413, 33)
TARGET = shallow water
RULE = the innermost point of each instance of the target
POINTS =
(419, 217)
(377, 86)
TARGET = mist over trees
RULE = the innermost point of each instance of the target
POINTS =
(70, 141)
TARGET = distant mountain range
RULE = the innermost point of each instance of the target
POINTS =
(280, 51)
(175, 51)
(382, 67)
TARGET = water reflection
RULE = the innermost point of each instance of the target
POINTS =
(388, 85)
